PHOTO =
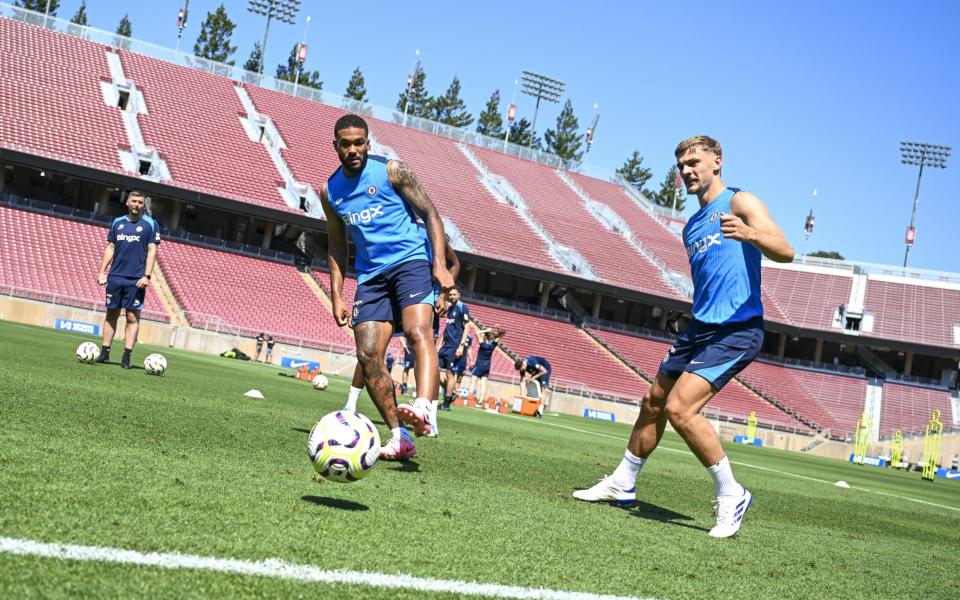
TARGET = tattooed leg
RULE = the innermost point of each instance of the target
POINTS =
(372, 338)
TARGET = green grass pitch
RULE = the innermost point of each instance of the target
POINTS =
(184, 463)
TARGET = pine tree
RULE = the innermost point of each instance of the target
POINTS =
(668, 191)
(80, 17)
(420, 104)
(253, 62)
(288, 72)
(356, 89)
(491, 121)
(827, 254)
(40, 6)
(565, 141)
(634, 173)
(521, 133)
(450, 109)
(125, 28)
(213, 43)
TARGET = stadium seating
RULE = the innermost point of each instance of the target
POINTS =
(50, 99)
(808, 299)
(914, 312)
(734, 400)
(307, 130)
(246, 295)
(561, 212)
(193, 120)
(577, 361)
(61, 264)
(491, 227)
(830, 401)
(908, 408)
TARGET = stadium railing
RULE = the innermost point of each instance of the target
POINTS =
(78, 214)
(216, 324)
(69, 301)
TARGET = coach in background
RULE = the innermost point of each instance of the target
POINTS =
(130, 254)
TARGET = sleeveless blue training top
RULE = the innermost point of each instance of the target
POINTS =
(726, 272)
(380, 222)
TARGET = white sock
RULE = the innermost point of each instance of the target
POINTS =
(396, 432)
(724, 483)
(625, 475)
(352, 398)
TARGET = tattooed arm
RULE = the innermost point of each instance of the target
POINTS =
(405, 183)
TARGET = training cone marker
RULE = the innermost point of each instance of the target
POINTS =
(842, 484)
(254, 394)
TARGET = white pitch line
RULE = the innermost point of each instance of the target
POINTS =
(749, 466)
(279, 569)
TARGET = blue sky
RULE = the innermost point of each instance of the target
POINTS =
(802, 95)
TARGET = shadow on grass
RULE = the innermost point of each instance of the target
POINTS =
(406, 466)
(652, 512)
(338, 503)
(300, 429)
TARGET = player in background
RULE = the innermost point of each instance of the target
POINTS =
(453, 343)
(459, 369)
(261, 337)
(390, 360)
(536, 368)
(131, 254)
(489, 338)
(269, 356)
(725, 240)
(397, 263)
(356, 385)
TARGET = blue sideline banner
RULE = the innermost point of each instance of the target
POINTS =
(77, 326)
(295, 363)
(742, 439)
(601, 415)
(948, 474)
(873, 461)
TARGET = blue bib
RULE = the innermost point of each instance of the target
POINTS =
(726, 272)
(381, 224)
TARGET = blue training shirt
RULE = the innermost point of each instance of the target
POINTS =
(131, 240)
(380, 222)
(485, 351)
(533, 362)
(726, 272)
(457, 317)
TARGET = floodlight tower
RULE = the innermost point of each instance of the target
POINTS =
(284, 11)
(411, 80)
(541, 87)
(923, 155)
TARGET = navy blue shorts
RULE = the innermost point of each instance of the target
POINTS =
(714, 352)
(460, 366)
(481, 369)
(384, 297)
(122, 292)
(447, 357)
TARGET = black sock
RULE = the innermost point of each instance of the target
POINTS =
(105, 350)
(126, 354)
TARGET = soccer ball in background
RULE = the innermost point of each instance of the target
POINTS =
(343, 446)
(320, 382)
(88, 352)
(155, 364)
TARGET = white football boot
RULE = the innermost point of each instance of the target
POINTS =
(607, 491)
(730, 511)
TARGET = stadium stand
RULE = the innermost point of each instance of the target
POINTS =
(807, 298)
(50, 99)
(573, 355)
(733, 401)
(913, 312)
(249, 295)
(908, 408)
(833, 402)
(193, 120)
(454, 186)
(561, 212)
(62, 266)
(307, 130)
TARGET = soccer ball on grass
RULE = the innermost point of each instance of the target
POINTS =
(88, 352)
(320, 382)
(343, 446)
(155, 364)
